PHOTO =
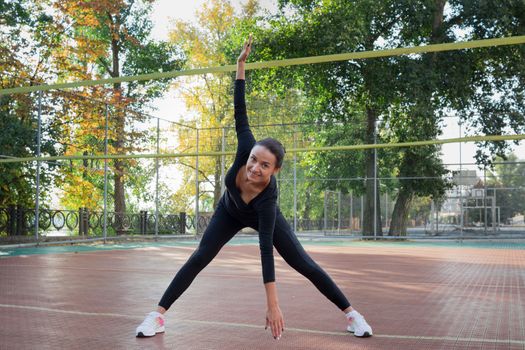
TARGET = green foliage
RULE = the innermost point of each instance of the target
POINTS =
(18, 139)
(14, 13)
(347, 98)
(495, 102)
(107, 38)
(19, 40)
(16, 179)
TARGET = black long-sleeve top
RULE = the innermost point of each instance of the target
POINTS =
(262, 209)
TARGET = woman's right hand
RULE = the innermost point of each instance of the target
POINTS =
(275, 320)
(245, 50)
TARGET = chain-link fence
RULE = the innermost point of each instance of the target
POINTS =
(182, 178)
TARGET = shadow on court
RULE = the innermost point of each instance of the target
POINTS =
(414, 296)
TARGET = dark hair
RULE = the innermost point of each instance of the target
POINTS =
(275, 147)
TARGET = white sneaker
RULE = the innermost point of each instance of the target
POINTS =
(357, 325)
(152, 324)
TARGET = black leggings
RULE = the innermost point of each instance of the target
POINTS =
(222, 228)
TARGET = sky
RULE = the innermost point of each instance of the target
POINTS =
(164, 11)
(171, 108)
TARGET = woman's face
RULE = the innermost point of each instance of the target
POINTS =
(261, 165)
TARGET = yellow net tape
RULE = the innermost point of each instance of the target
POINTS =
(280, 63)
(293, 150)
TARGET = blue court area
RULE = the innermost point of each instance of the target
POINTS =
(99, 246)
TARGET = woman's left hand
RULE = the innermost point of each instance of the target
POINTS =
(275, 320)
(245, 50)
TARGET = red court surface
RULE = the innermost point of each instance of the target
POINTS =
(414, 297)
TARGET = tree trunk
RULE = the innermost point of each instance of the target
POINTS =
(86, 164)
(119, 194)
(368, 216)
(398, 226)
(119, 117)
(405, 197)
(437, 23)
(307, 206)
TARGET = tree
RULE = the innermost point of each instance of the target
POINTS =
(421, 172)
(18, 112)
(106, 38)
(215, 40)
(472, 83)
(349, 98)
(493, 103)
(479, 85)
(207, 95)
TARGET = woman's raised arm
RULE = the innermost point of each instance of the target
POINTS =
(241, 61)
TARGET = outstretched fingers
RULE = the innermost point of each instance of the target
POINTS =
(246, 49)
(276, 327)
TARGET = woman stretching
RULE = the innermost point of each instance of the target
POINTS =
(251, 201)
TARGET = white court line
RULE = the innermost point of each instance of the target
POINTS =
(245, 325)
